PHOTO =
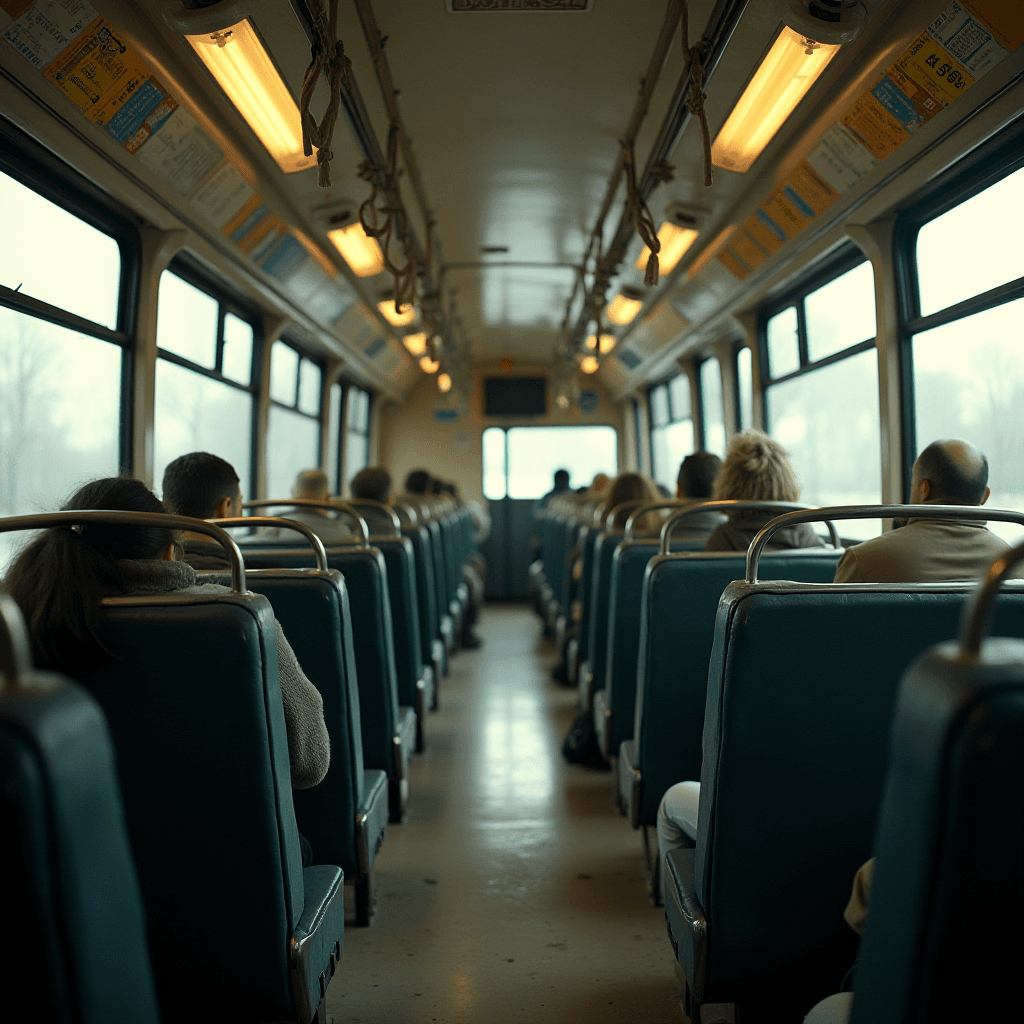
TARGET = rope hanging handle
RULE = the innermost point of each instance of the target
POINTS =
(327, 54)
(642, 218)
(695, 95)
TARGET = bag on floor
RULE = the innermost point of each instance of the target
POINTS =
(580, 746)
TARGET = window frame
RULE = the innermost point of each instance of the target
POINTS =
(347, 387)
(191, 271)
(737, 347)
(38, 169)
(975, 172)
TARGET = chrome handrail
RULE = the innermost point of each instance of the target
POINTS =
(312, 503)
(999, 515)
(15, 648)
(651, 506)
(379, 506)
(319, 552)
(734, 505)
(608, 515)
(111, 517)
(977, 616)
(404, 506)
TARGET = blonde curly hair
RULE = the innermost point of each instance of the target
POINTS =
(756, 468)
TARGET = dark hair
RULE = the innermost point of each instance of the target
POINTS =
(952, 480)
(561, 478)
(373, 483)
(195, 484)
(698, 473)
(417, 482)
(59, 580)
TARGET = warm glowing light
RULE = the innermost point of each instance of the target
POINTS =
(717, 242)
(444, 383)
(621, 309)
(562, 401)
(606, 345)
(361, 252)
(589, 364)
(389, 311)
(428, 365)
(674, 243)
(415, 343)
(790, 68)
(238, 60)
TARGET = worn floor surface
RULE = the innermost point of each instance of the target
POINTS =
(514, 891)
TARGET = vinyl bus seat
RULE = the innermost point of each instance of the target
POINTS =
(801, 688)
(238, 929)
(950, 834)
(69, 881)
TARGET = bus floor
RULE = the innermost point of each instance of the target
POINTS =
(513, 891)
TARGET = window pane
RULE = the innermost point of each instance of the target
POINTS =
(842, 313)
(237, 361)
(60, 395)
(197, 414)
(783, 343)
(670, 445)
(334, 439)
(186, 321)
(714, 411)
(494, 463)
(357, 454)
(974, 247)
(745, 382)
(357, 414)
(828, 421)
(659, 406)
(284, 371)
(293, 441)
(969, 383)
(534, 453)
(51, 255)
(310, 382)
(679, 397)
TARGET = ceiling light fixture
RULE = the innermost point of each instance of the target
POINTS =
(812, 34)
(428, 365)
(674, 243)
(415, 343)
(589, 364)
(444, 383)
(624, 308)
(360, 252)
(606, 345)
(236, 57)
(390, 313)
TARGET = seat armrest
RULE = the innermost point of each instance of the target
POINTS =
(687, 925)
(315, 947)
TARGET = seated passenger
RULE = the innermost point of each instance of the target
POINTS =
(932, 550)
(59, 580)
(561, 487)
(631, 487)
(756, 468)
(696, 482)
(373, 484)
(313, 485)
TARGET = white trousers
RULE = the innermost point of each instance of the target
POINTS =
(831, 1010)
(677, 817)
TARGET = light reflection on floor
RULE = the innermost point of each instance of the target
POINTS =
(514, 892)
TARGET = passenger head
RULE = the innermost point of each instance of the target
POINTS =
(600, 484)
(60, 578)
(629, 487)
(756, 468)
(951, 472)
(372, 484)
(203, 486)
(417, 482)
(697, 475)
(312, 484)
(561, 479)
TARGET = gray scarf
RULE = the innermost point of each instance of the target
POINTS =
(154, 576)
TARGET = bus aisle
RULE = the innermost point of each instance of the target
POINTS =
(513, 892)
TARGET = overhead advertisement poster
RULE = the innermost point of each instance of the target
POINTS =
(967, 40)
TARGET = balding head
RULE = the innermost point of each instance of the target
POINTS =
(951, 472)
(312, 484)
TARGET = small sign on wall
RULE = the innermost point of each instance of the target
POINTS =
(446, 415)
(588, 401)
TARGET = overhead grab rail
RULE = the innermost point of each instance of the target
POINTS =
(336, 506)
(15, 648)
(84, 517)
(319, 552)
(731, 506)
(379, 506)
(839, 512)
(977, 617)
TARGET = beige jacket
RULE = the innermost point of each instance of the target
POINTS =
(923, 551)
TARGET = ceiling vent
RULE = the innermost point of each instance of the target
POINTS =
(338, 213)
(687, 215)
(504, 6)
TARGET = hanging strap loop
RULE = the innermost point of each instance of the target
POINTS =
(695, 95)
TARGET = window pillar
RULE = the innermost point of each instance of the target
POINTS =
(272, 328)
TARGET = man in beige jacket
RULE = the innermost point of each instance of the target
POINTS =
(932, 550)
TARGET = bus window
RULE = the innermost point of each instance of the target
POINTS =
(712, 407)
(969, 382)
(672, 433)
(494, 463)
(357, 431)
(238, 344)
(293, 429)
(186, 322)
(745, 385)
(334, 441)
(841, 314)
(783, 343)
(532, 454)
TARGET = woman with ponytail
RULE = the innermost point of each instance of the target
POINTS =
(60, 579)
(757, 469)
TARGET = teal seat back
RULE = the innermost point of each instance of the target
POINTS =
(600, 596)
(405, 621)
(801, 689)
(426, 592)
(70, 889)
(679, 603)
(588, 539)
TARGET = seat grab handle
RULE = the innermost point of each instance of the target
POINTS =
(319, 552)
(343, 506)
